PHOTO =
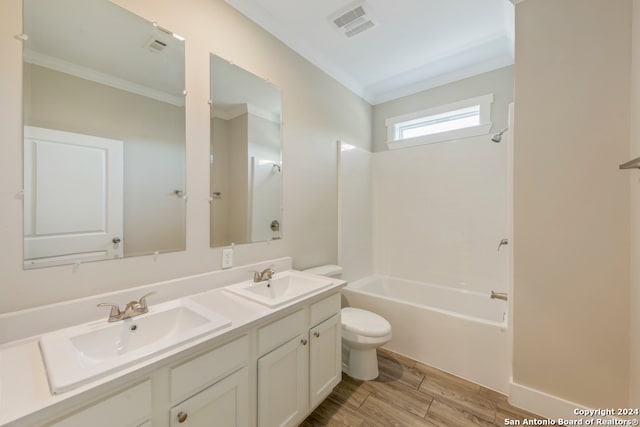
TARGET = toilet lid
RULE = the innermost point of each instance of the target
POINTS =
(363, 322)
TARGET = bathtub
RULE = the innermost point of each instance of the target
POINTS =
(458, 331)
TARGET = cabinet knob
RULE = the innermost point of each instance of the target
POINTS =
(116, 240)
(303, 341)
(182, 417)
(316, 334)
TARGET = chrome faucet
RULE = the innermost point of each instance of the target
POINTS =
(132, 309)
(261, 276)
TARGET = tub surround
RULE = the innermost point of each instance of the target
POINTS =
(25, 397)
(449, 331)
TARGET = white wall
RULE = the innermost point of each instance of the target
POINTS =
(440, 210)
(571, 202)
(317, 111)
(265, 190)
(356, 212)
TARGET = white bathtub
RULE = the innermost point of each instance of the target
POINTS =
(458, 331)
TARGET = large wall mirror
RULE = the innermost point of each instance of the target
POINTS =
(104, 135)
(246, 156)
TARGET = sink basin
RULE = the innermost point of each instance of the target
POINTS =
(283, 288)
(79, 354)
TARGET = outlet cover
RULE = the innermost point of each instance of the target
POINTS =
(227, 258)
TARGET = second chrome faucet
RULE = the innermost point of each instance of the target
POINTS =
(261, 276)
(132, 309)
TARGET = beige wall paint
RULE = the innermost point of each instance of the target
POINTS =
(634, 180)
(152, 133)
(220, 182)
(571, 204)
(317, 111)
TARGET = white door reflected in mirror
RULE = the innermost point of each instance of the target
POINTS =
(66, 218)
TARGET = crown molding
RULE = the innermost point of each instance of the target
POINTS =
(99, 77)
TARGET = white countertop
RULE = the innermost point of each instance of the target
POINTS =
(25, 396)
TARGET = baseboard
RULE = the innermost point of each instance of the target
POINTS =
(542, 404)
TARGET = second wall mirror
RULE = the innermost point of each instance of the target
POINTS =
(246, 156)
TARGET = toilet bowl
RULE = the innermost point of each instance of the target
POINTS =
(362, 333)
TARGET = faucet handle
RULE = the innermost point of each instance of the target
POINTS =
(143, 299)
(115, 308)
(268, 273)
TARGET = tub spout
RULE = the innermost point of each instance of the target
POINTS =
(499, 295)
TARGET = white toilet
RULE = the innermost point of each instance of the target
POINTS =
(362, 333)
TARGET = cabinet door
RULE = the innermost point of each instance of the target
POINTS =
(225, 403)
(283, 384)
(325, 359)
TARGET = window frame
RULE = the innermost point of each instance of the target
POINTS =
(394, 124)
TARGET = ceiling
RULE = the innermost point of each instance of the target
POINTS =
(100, 41)
(412, 46)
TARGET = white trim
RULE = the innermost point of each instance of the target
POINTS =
(540, 403)
(99, 77)
(484, 101)
(547, 405)
(228, 112)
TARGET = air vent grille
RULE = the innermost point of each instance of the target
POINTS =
(353, 20)
(348, 17)
(360, 28)
(155, 45)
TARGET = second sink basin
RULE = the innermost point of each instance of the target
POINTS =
(77, 355)
(283, 288)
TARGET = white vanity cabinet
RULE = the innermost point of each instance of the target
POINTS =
(128, 408)
(300, 363)
(225, 403)
(269, 373)
(213, 388)
(325, 359)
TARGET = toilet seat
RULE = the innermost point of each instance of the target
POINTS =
(364, 323)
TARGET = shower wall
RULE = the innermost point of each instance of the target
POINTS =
(440, 210)
(355, 220)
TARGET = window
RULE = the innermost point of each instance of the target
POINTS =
(462, 119)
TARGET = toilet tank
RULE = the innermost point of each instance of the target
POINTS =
(329, 270)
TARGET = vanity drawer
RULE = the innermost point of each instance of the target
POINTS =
(128, 408)
(281, 331)
(196, 374)
(325, 308)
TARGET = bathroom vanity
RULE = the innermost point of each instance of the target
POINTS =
(268, 367)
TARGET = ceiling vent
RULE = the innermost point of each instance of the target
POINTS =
(353, 20)
(159, 41)
(156, 45)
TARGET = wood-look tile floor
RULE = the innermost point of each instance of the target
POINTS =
(409, 393)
